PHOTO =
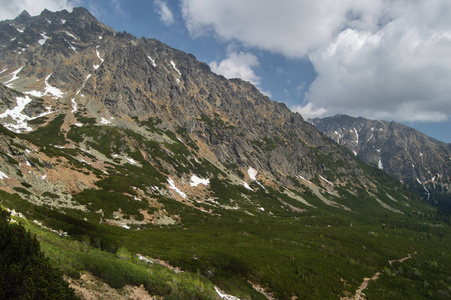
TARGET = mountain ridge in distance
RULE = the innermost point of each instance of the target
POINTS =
(420, 161)
(128, 148)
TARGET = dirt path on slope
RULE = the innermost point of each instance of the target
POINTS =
(359, 292)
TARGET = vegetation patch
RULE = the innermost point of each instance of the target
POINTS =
(51, 133)
(109, 202)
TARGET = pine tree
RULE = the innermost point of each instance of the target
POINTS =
(25, 273)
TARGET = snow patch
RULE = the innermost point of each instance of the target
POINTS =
(380, 164)
(195, 181)
(357, 140)
(262, 186)
(225, 296)
(252, 173)
(70, 34)
(427, 192)
(105, 121)
(3, 175)
(303, 178)
(327, 181)
(71, 46)
(63, 21)
(101, 59)
(19, 118)
(246, 186)
(173, 187)
(34, 93)
(132, 161)
(56, 92)
(74, 104)
(173, 65)
(43, 40)
(152, 60)
(13, 78)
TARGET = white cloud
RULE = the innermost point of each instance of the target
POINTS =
(11, 9)
(375, 58)
(237, 65)
(309, 111)
(290, 27)
(165, 13)
(400, 72)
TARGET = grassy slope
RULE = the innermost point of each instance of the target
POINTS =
(318, 254)
(285, 255)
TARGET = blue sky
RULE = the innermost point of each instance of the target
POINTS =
(380, 59)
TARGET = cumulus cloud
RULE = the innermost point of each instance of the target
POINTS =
(291, 27)
(237, 65)
(379, 59)
(309, 111)
(11, 9)
(400, 72)
(165, 13)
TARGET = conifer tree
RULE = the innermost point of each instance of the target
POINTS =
(25, 273)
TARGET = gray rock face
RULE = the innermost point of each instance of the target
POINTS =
(409, 155)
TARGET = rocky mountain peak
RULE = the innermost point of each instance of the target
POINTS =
(22, 17)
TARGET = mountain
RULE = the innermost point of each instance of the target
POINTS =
(407, 154)
(132, 161)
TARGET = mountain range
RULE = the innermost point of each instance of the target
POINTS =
(416, 159)
(136, 165)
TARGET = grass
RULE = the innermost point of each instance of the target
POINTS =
(77, 256)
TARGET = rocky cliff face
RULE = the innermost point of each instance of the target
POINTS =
(415, 158)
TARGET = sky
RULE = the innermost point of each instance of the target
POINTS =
(380, 59)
